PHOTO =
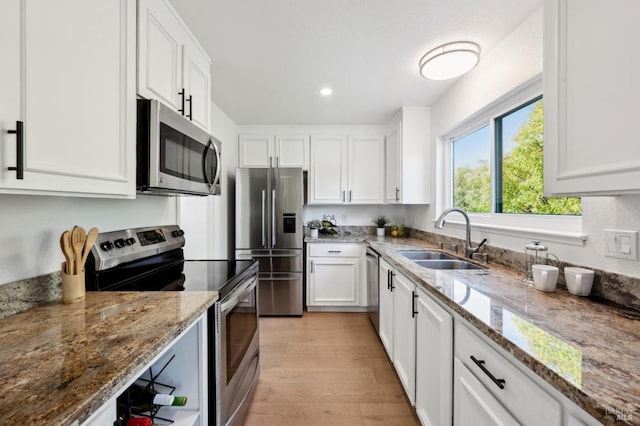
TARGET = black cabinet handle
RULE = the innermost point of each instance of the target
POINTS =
(181, 93)
(190, 115)
(391, 274)
(480, 363)
(19, 132)
(388, 279)
(413, 304)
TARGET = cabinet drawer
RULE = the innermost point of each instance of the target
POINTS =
(335, 249)
(529, 403)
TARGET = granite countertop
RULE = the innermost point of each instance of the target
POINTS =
(60, 363)
(584, 349)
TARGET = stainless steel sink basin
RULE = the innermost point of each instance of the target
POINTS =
(424, 255)
(448, 264)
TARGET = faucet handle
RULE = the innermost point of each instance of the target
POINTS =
(454, 248)
(480, 256)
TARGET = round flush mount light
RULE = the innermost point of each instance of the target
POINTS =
(449, 60)
(326, 91)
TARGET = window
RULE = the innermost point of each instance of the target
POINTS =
(497, 167)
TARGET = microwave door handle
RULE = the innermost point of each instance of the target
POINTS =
(262, 211)
(216, 179)
(204, 164)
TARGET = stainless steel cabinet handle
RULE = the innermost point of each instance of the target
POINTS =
(349, 195)
(397, 194)
(19, 132)
(343, 196)
(480, 363)
(277, 161)
(312, 266)
(264, 235)
(335, 251)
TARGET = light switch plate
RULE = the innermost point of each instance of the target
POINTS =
(621, 244)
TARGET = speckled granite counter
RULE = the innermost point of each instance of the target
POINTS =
(59, 363)
(583, 349)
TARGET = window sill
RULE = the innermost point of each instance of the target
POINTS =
(574, 238)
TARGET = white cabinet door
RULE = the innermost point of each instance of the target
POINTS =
(104, 416)
(404, 333)
(255, 151)
(197, 84)
(77, 98)
(434, 369)
(334, 281)
(386, 307)
(172, 66)
(328, 170)
(292, 151)
(366, 170)
(474, 405)
(393, 178)
(591, 104)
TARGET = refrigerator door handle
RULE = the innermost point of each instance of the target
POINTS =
(273, 218)
(264, 237)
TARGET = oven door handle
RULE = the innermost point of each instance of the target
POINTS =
(241, 291)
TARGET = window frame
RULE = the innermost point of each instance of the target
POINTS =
(559, 228)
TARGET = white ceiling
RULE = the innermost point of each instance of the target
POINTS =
(271, 57)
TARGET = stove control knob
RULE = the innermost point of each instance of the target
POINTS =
(130, 241)
(106, 246)
(119, 243)
(178, 233)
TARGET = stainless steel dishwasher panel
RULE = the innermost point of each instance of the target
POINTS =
(373, 260)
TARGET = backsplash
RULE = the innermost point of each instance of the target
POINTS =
(25, 294)
(617, 288)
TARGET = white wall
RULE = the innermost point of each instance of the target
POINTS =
(208, 222)
(31, 226)
(513, 62)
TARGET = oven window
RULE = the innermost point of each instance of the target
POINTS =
(180, 155)
(242, 324)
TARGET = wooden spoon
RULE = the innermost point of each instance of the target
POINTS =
(78, 238)
(65, 246)
(92, 236)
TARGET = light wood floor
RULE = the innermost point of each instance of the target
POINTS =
(326, 369)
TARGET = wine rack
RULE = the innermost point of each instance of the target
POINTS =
(129, 403)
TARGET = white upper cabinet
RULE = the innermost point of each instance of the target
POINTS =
(591, 92)
(278, 151)
(172, 66)
(346, 170)
(68, 75)
(407, 160)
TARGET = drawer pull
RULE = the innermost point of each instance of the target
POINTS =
(414, 296)
(335, 251)
(480, 363)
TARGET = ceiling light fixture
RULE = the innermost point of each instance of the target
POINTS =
(449, 60)
(326, 91)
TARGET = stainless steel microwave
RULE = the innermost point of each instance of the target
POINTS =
(174, 156)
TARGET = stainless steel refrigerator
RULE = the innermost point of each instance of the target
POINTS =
(269, 228)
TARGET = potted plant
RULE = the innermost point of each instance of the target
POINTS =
(380, 222)
(314, 225)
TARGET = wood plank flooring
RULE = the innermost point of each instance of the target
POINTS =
(326, 369)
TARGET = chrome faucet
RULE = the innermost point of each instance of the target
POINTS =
(468, 250)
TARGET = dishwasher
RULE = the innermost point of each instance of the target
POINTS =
(373, 290)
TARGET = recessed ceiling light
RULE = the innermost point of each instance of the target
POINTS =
(449, 60)
(326, 91)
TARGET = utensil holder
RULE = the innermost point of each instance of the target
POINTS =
(73, 289)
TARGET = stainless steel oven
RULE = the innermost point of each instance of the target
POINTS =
(152, 259)
(174, 156)
(237, 352)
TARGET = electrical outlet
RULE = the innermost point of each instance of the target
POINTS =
(621, 244)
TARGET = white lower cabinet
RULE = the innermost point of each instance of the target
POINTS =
(404, 333)
(434, 354)
(334, 278)
(385, 307)
(474, 405)
(187, 372)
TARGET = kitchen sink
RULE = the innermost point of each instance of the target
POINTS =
(425, 255)
(448, 264)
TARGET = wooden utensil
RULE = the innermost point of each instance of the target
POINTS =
(92, 236)
(78, 238)
(65, 245)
